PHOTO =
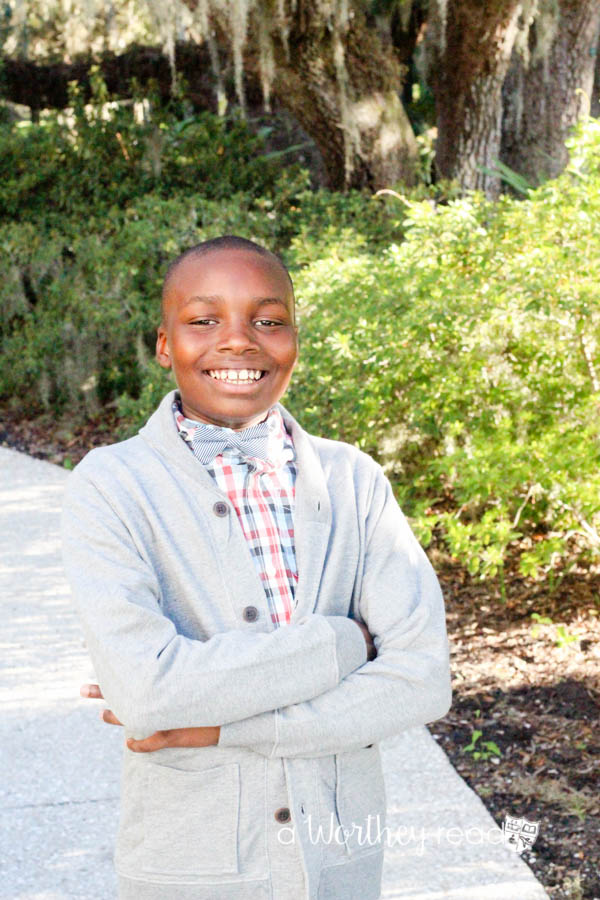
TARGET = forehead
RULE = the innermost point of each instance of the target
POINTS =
(229, 275)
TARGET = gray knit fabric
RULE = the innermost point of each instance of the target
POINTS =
(162, 576)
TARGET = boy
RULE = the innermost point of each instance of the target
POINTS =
(234, 575)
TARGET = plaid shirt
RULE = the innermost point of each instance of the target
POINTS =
(262, 493)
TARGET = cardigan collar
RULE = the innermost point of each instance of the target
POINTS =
(312, 518)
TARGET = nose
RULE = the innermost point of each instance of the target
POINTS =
(236, 336)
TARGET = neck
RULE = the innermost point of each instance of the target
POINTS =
(234, 424)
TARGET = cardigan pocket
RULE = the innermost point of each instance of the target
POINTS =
(191, 821)
(361, 799)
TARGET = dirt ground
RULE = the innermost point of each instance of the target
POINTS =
(533, 690)
(530, 688)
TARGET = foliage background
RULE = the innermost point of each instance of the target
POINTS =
(455, 339)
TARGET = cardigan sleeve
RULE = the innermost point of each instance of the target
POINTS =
(155, 678)
(407, 684)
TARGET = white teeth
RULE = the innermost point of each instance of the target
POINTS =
(235, 375)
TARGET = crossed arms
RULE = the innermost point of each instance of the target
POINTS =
(302, 690)
(192, 736)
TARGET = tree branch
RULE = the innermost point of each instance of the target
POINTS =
(45, 85)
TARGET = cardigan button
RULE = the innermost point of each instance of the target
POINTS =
(282, 815)
(250, 614)
(220, 508)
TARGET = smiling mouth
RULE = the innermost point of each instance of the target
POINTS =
(236, 376)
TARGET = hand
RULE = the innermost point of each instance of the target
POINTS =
(371, 649)
(201, 736)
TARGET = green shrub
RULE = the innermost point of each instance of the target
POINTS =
(465, 359)
(99, 156)
(455, 342)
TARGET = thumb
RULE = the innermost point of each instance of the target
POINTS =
(108, 716)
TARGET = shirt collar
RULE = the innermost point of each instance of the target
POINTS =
(280, 445)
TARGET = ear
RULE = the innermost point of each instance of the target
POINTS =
(162, 348)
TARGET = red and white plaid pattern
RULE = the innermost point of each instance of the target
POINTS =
(262, 493)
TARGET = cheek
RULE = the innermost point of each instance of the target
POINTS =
(288, 353)
(187, 351)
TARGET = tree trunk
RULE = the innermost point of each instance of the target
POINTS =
(343, 88)
(595, 104)
(339, 80)
(547, 93)
(468, 47)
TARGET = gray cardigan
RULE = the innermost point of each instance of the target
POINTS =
(161, 575)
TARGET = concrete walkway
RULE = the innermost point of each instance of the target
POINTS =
(60, 764)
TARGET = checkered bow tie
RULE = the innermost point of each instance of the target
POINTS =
(209, 440)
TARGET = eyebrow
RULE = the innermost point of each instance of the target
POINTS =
(262, 301)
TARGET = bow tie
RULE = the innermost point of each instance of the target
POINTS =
(209, 441)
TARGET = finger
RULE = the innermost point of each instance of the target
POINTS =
(156, 741)
(108, 716)
(91, 690)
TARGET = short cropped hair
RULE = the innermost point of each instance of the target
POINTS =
(225, 242)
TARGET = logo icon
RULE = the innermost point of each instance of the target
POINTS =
(519, 834)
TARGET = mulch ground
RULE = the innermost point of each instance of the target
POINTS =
(531, 689)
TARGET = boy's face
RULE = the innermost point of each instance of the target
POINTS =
(228, 316)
